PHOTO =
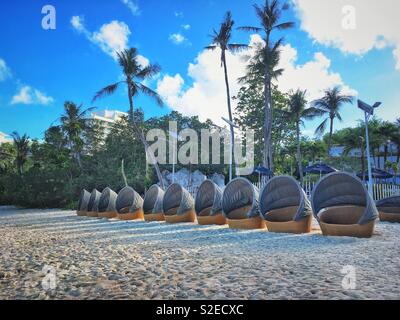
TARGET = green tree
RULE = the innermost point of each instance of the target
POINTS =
(298, 112)
(134, 74)
(330, 104)
(73, 124)
(221, 40)
(267, 58)
(22, 148)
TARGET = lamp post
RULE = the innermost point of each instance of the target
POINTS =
(232, 127)
(368, 113)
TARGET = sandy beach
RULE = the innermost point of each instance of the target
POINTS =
(101, 259)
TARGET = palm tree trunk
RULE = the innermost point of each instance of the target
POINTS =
(330, 136)
(143, 140)
(299, 158)
(228, 97)
(267, 124)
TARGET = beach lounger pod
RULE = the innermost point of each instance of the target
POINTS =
(285, 207)
(107, 204)
(178, 205)
(240, 205)
(93, 205)
(129, 205)
(343, 206)
(153, 204)
(208, 204)
(84, 199)
(389, 209)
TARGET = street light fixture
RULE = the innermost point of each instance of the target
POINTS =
(368, 112)
(232, 126)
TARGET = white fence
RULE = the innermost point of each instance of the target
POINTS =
(381, 190)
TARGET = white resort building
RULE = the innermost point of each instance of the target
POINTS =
(107, 118)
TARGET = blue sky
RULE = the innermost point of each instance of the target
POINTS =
(40, 69)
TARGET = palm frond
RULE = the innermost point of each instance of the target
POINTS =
(149, 71)
(106, 91)
(250, 29)
(151, 93)
(321, 128)
(235, 47)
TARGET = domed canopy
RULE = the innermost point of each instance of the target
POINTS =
(177, 197)
(240, 193)
(107, 201)
(153, 200)
(84, 199)
(391, 202)
(93, 204)
(128, 198)
(343, 189)
(284, 192)
(209, 195)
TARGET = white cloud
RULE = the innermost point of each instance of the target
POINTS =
(4, 138)
(111, 37)
(376, 24)
(186, 26)
(178, 14)
(132, 6)
(4, 70)
(177, 38)
(28, 95)
(206, 96)
(314, 76)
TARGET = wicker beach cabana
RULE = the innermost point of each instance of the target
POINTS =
(93, 204)
(240, 205)
(107, 204)
(129, 205)
(208, 204)
(83, 203)
(389, 209)
(285, 207)
(153, 204)
(343, 206)
(178, 205)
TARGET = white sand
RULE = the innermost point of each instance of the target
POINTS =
(100, 259)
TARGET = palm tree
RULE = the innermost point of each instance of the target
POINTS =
(73, 123)
(388, 131)
(354, 139)
(22, 147)
(298, 112)
(221, 40)
(269, 15)
(330, 104)
(134, 73)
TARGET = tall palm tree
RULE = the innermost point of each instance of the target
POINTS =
(221, 40)
(269, 16)
(73, 123)
(330, 105)
(298, 112)
(354, 139)
(134, 74)
(22, 147)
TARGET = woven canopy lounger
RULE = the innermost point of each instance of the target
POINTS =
(84, 199)
(129, 205)
(343, 206)
(285, 207)
(240, 205)
(107, 204)
(178, 205)
(93, 204)
(389, 209)
(208, 204)
(153, 204)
